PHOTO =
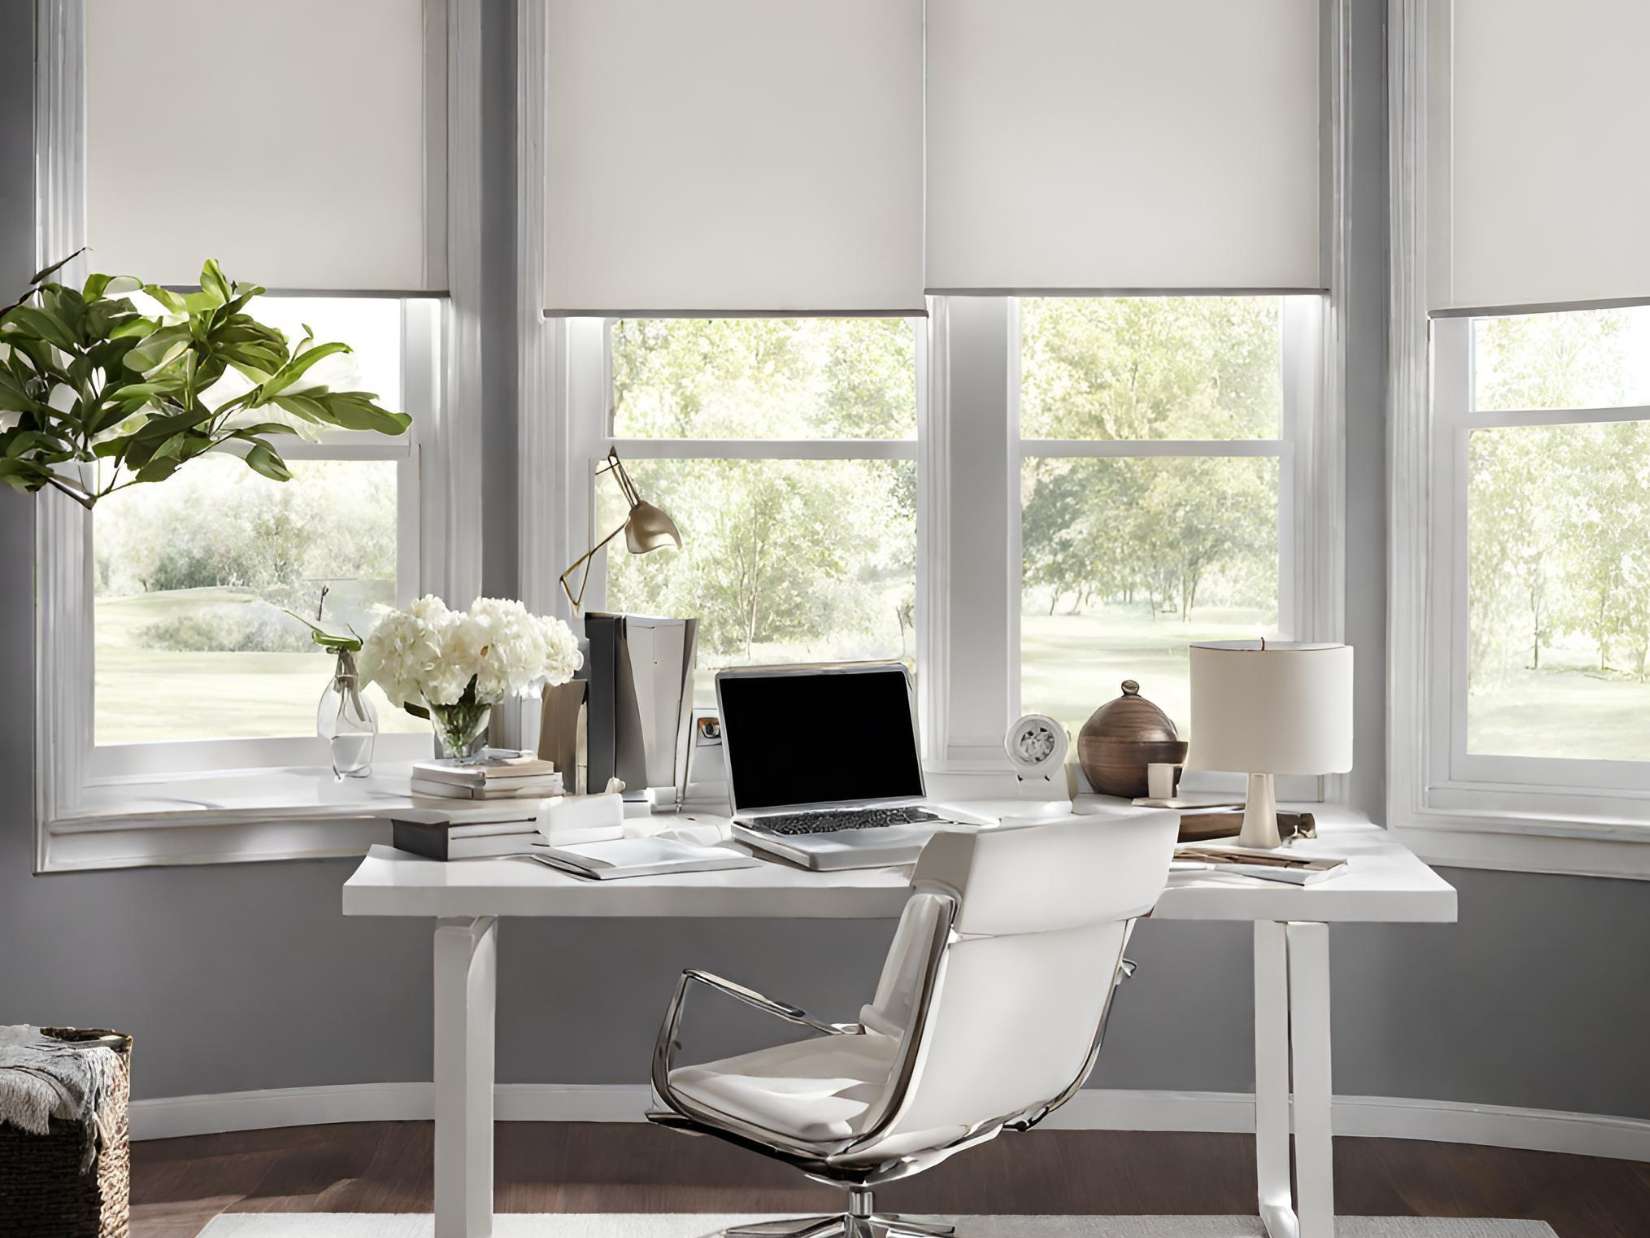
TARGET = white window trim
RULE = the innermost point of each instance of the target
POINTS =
(85, 820)
(1568, 825)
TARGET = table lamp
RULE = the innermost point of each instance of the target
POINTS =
(1264, 708)
(645, 528)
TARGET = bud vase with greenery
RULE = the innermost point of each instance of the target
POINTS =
(344, 717)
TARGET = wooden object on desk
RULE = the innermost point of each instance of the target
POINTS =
(1122, 738)
(561, 732)
(1199, 827)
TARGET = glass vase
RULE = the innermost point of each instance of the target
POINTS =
(346, 719)
(461, 731)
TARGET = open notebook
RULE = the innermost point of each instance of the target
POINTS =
(637, 857)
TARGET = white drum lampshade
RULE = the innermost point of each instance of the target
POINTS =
(1264, 708)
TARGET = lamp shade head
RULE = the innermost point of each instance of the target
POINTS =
(1272, 707)
(649, 528)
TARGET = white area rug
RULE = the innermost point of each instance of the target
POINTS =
(705, 1225)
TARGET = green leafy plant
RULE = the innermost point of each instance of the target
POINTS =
(96, 396)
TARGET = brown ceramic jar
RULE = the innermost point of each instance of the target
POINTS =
(1121, 738)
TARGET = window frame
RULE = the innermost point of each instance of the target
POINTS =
(589, 351)
(1300, 367)
(1570, 784)
(119, 818)
(1520, 814)
(108, 764)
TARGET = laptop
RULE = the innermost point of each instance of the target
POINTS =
(823, 764)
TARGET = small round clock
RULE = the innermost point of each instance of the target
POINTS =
(1036, 745)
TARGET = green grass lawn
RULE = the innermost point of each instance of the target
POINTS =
(1561, 712)
(1072, 664)
(146, 694)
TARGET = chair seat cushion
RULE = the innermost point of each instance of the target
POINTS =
(819, 1090)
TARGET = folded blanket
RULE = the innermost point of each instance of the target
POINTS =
(42, 1078)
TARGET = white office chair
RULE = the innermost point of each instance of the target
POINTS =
(989, 1014)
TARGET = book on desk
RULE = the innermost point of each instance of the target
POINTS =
(467, 830)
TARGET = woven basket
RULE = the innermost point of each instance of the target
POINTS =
(43, 1194)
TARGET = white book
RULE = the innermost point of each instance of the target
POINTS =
(1300, 870)
(534, 788)
(638, 857)
(504, 767)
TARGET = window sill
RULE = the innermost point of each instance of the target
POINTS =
(225, 817)
(1522, 844)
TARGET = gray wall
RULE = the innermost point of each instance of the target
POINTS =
(241, 977)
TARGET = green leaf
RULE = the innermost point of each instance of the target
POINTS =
(294, 370)
(38, 276)
(134, 328)
(172, 301)
(158, 470)
(42, 325)
(214, 283)
(356, 410)
(261, 459)
(159, 348)
(306, 407)
(99, 286)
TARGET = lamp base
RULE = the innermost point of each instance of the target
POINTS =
(1260, 814)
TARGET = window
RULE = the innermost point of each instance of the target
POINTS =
(785, 450)
(1543, 452)
(1155, 490)
(196, 662)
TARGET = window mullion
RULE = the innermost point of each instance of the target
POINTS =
(982, 586)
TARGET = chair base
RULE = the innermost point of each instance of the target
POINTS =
(848, 1225)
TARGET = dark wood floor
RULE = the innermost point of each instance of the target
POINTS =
(180, 1184)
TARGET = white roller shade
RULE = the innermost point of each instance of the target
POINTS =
(734, 156)
(1539, 116)
(1106, 145)
(286, 138)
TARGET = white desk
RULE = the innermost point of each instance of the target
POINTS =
(1385, 883)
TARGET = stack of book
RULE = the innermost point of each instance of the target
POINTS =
(514, 777)
(467, 831)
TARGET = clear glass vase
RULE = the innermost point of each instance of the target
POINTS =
(461, 731)
(346, 719)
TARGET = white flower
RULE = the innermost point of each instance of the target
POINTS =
(429, 655)
(400, 656)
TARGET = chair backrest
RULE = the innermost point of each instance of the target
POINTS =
(999, 1010)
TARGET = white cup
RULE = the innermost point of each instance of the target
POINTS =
(1161, 777)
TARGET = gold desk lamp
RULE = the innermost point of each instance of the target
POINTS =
(646, 528)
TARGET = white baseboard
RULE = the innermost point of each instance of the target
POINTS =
(1439, 1121)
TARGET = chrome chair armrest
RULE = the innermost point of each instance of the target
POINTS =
(766, 1004)
(664, 1049)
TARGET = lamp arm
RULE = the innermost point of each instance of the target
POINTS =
(584, 561)
(622, 476)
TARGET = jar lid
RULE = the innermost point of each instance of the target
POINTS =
(1130, 717)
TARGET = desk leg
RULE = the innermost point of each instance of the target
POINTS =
(1272, 1079)
(1309, 1042)
(1292, 1043)
(466, 976)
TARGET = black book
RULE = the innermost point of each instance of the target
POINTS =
(463, 835)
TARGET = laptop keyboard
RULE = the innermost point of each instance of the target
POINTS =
(792, 823)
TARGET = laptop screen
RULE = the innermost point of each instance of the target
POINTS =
(819, 736)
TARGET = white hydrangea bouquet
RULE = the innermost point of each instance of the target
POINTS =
(453, 666)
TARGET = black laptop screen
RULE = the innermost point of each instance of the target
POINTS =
(811, 738)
